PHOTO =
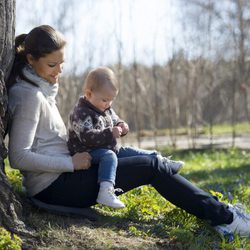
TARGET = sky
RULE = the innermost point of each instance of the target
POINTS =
(148, 30)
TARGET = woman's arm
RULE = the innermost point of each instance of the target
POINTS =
(20, 154)
(24, 124)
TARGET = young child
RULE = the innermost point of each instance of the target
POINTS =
(94, 127)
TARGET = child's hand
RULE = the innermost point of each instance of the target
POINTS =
(125, 128)
(117, 131)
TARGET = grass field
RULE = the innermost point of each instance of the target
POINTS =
(148, 221)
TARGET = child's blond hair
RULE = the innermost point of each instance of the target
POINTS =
(100, 77)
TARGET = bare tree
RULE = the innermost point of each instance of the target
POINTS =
(121, 104)
(10, 206)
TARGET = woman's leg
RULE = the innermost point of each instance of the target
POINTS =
(80, 189)
(174, 188)
(77, 189)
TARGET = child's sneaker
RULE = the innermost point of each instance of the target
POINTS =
(107, 197)
(240, 224)
(175, 166)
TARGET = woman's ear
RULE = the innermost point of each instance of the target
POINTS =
(30, 59)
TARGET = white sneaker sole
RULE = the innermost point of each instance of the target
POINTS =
(110, 205)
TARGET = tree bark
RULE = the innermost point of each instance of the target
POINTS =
(10, 206)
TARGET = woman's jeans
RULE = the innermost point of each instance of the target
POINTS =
(108, 160)
(80, 188)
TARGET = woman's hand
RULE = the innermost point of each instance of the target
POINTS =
(81, 161)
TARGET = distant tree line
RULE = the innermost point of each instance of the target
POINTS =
(204, 81)
(189, 93)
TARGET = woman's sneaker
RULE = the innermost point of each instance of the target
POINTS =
(240, 224)
(107, 197)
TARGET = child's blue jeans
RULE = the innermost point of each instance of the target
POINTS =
(108, 160)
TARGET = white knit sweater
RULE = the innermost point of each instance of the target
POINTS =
(37, 139)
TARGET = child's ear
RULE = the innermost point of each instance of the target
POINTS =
(88, 93)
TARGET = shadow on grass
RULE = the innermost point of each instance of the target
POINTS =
(45, 223)
(220, 179)
(217, 178)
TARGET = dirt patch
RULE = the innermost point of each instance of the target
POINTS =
(60, 232)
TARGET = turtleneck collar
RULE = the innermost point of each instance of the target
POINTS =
(49, 90)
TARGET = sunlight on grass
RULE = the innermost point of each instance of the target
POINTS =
(14, 177)
(224, 173)
(226, 128)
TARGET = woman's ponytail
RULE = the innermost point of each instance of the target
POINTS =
(19, 61)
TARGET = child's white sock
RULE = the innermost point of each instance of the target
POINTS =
(106, 184)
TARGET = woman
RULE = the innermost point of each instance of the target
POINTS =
(37, 144)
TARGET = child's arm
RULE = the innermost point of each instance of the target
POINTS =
(119, 122)
(125, 128)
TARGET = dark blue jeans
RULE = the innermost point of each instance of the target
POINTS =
(107, 160)
(80, 189)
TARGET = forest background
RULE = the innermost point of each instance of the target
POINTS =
(183, 66)
(183, 70)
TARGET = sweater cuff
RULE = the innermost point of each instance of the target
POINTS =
(70, 164)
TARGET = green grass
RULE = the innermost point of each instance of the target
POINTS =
(225, 128)
(148, 217)
(9, 241)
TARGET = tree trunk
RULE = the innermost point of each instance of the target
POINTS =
(10, 207)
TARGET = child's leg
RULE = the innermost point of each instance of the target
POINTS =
(132, 151)
(173, 166)
(107, 161)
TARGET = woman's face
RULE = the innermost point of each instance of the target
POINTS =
(48, 67)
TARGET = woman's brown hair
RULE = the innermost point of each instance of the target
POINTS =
(39, 42)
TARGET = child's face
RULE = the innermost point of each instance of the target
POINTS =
(101, 99)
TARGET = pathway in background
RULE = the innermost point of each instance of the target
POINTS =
(183, 142)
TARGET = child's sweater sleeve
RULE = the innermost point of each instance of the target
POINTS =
(115, 118)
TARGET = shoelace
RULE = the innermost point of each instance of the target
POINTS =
(113, 190)
(119, 190)
(168, 159)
